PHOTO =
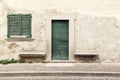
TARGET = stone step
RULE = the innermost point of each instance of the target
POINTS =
(60, 74)
(60, 71)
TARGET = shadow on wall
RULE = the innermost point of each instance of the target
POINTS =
(87, 59)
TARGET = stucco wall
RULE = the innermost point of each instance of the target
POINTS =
(96, 26)
(97, 35)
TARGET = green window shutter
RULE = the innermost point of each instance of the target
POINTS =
(13, 23)
(19, 25)
(26, 25)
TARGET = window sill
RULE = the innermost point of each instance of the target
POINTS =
(19, 39)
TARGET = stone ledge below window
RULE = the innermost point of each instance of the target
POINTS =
(31, 54)
(32, 57)
(86, 54)
(19, 39)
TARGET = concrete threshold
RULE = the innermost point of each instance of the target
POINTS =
(59, 64)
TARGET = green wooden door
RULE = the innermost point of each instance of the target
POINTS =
(60, 40)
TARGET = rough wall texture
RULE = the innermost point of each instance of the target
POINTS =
(97, 34)
(96, 27)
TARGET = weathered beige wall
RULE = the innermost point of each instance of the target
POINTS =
(96, 27)
(99, 7)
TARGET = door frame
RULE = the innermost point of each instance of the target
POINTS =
(49, 18)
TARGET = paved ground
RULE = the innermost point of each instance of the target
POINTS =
(61, 67)
(61, 78)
